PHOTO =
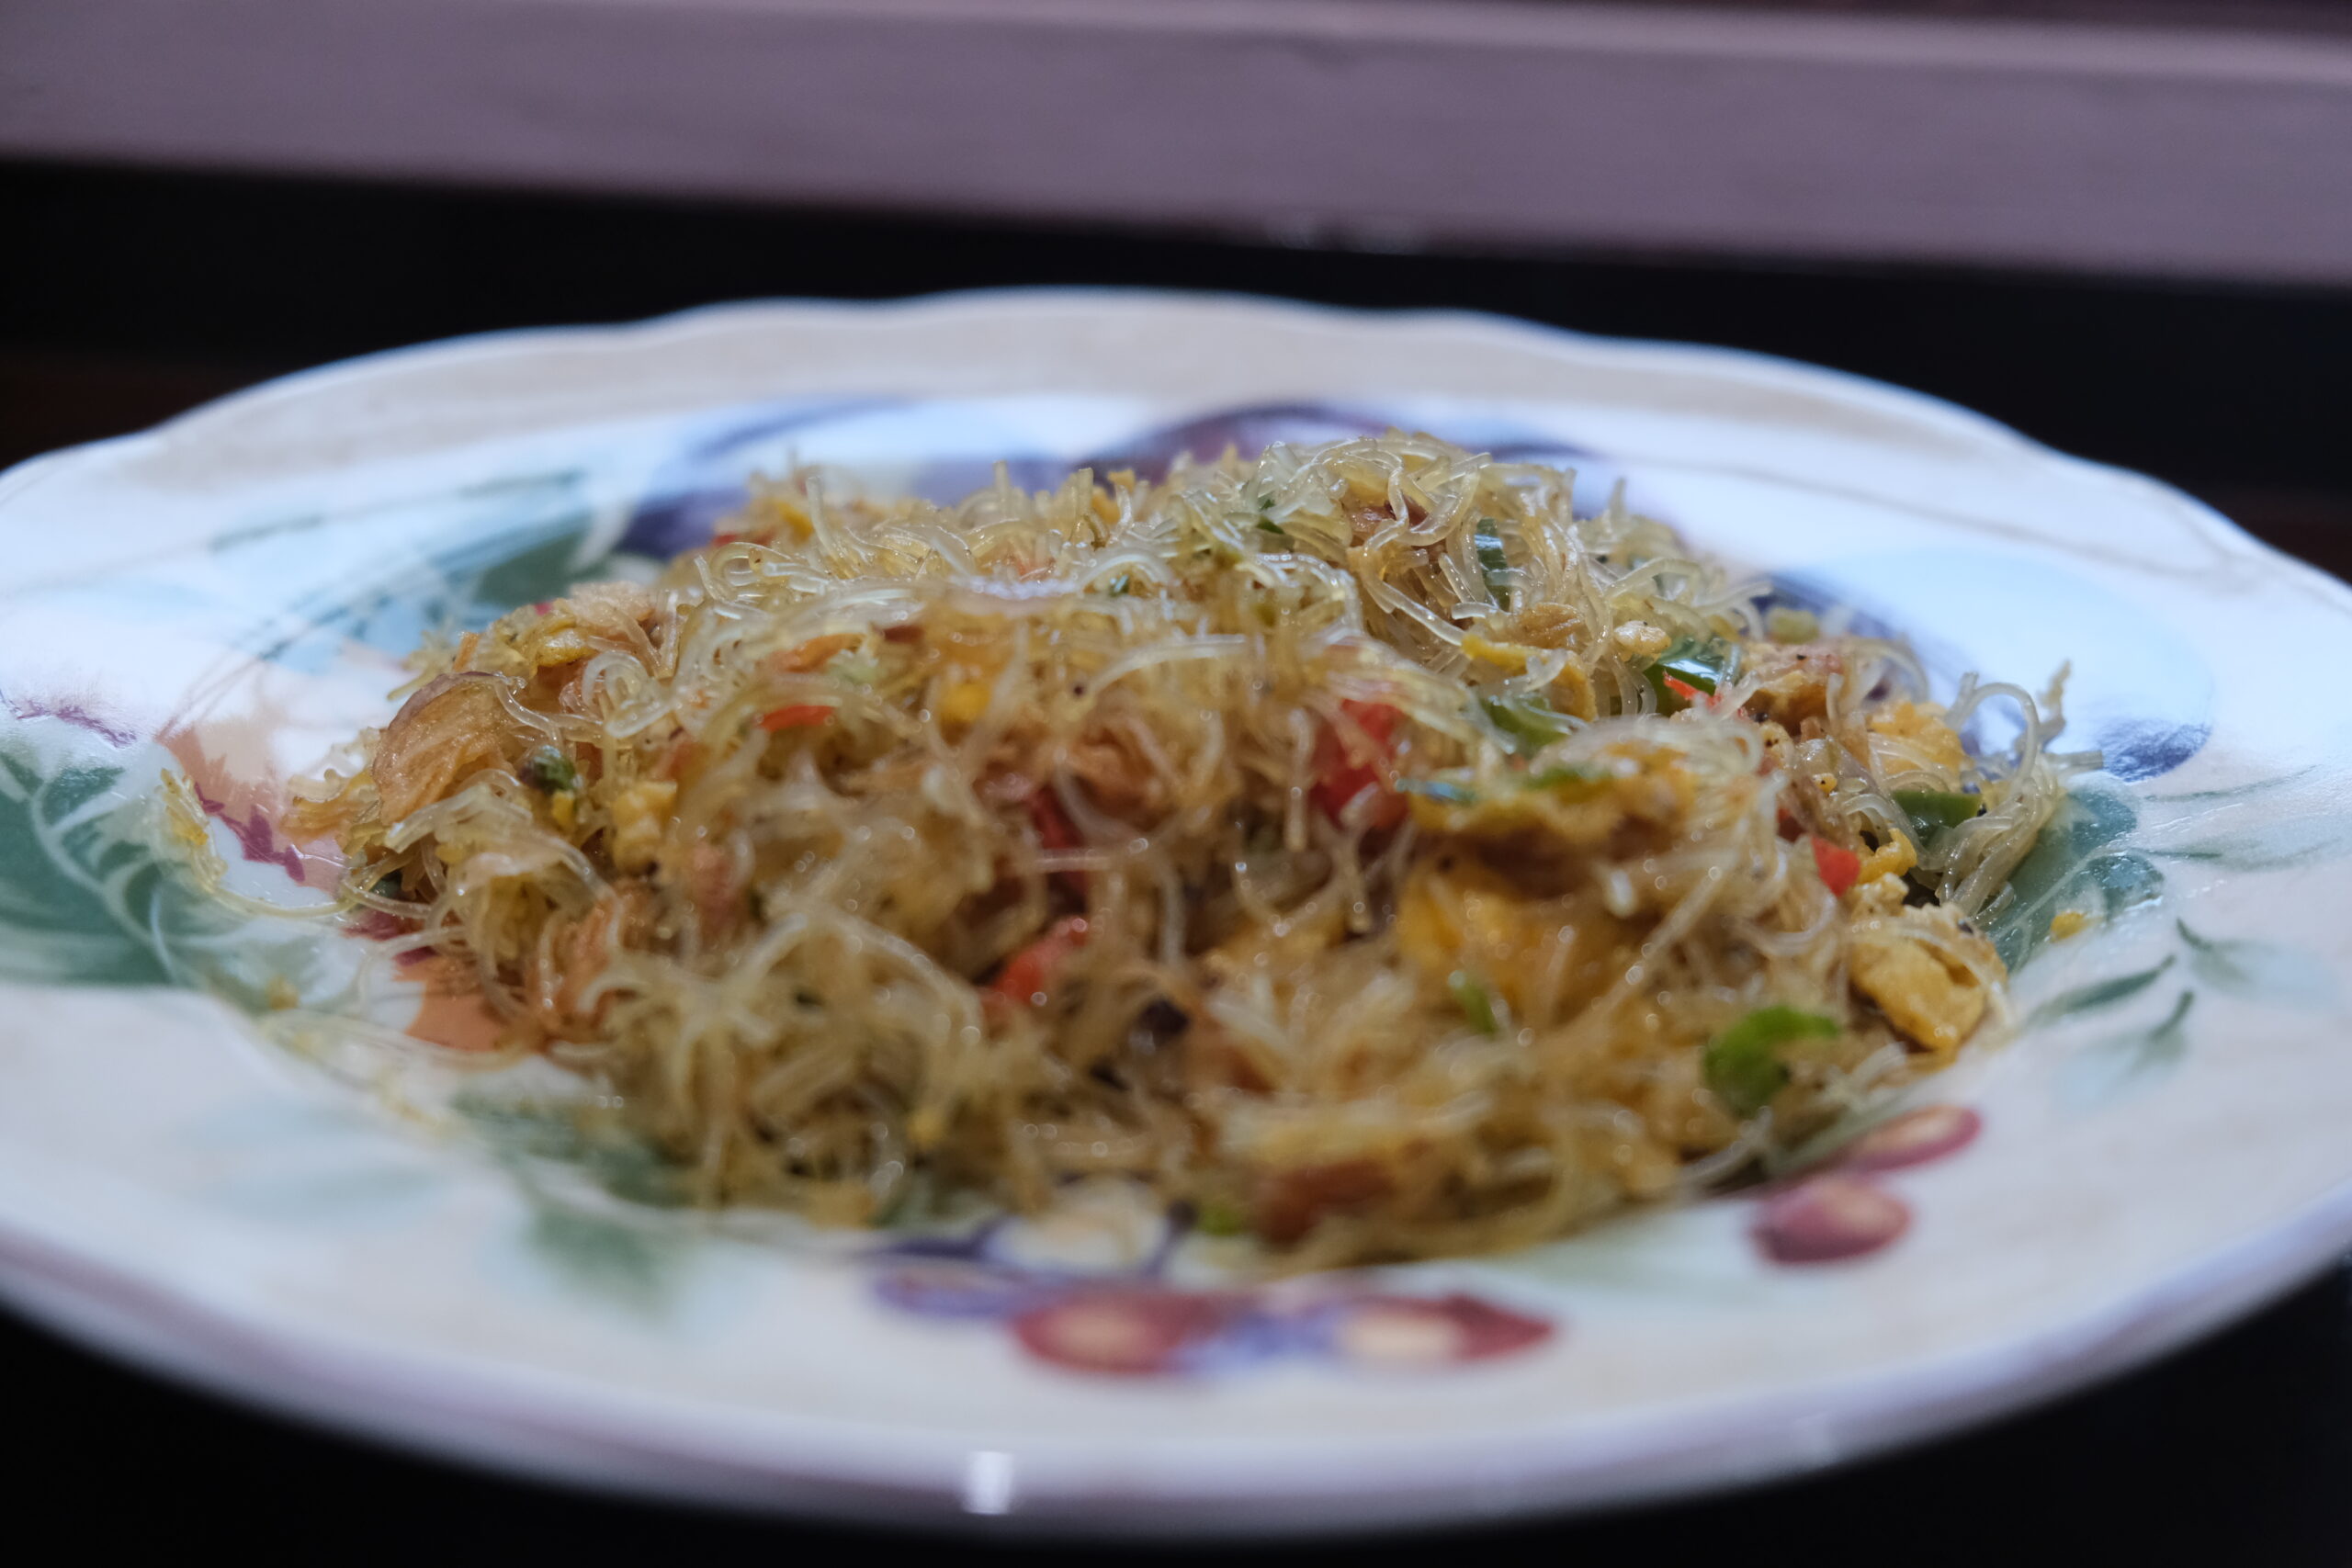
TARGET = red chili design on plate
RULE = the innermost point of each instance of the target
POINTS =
(1913, 1138)
(1134, 1333)
(1828, 1219)
(1411, 1331)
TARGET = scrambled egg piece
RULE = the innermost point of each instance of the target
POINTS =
(1545, 957)
(1891, 859)
(1631, 786)
(1570, 691)
(1792, 683)
(1641, 639)
(1904, 962)
(961, 703)
(1916, 736)
(638, 813)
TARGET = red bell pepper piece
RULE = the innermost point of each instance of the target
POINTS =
(1054, 829)
(1057, 831)
(1028, 976)
(1339, 778)
(799, 716)
(1837, 864)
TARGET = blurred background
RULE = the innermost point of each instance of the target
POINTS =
(2123, 226)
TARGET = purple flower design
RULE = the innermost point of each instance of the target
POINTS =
(1132, 1322)
(704, 480)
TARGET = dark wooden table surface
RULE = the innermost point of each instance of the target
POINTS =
(127, 297)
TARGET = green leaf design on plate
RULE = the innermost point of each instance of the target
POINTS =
(2122, 1064)
(621, 1264)
(547, 569)
(67, 916)
(2237, 791)
(2268, 846)
(2267, 824)
(632, 1264)
(88, 898)
(2265, 972)
(2079, 862)
(2097, 995)
(619, 1162)
(481, 551)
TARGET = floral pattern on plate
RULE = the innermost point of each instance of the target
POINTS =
(1137, 1322)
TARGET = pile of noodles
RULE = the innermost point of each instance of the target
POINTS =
(1303, 839)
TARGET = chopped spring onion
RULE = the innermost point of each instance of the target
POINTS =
(1703, 666)
(1471, 996)
(1528, 724)
(1562, 774)
(1492, 562)
(851, 668)
(550, 771)
(1221, 1219)
(1933, 810)
(1743, 1063)
(1444, 791)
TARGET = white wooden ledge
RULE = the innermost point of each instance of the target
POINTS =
(2210, 154)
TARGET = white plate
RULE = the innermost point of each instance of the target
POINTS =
(180, 1182)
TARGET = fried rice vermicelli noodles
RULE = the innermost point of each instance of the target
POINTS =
(1356, 845)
